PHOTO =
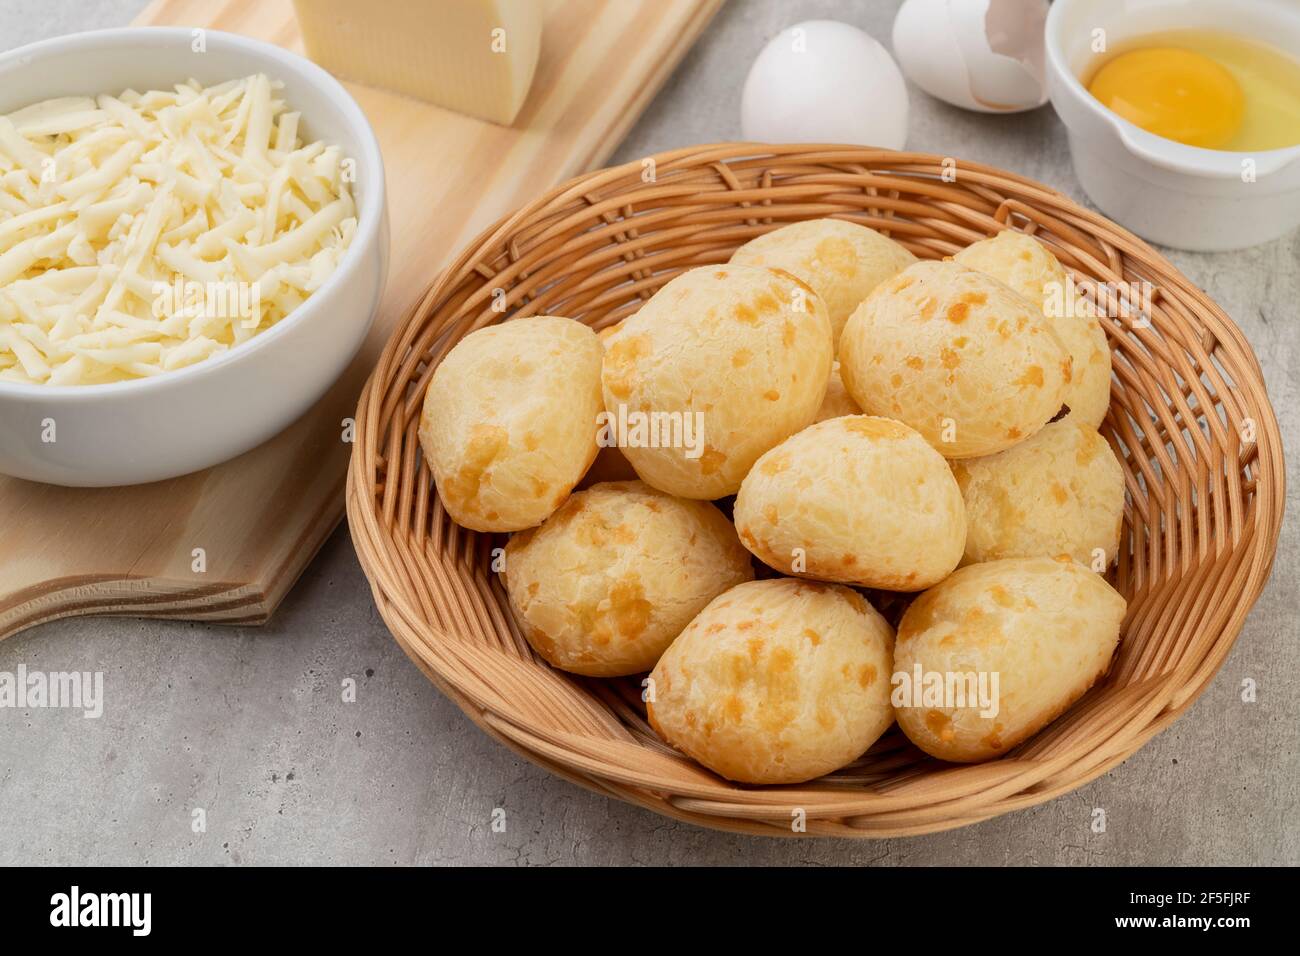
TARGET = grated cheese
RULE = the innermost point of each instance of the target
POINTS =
(144, 232)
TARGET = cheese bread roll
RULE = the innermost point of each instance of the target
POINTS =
(1026, 265)
(776, 681)
(1061, 492)
(856, 499)
(607, 582)
(509, 421)
(1028, 635)
(842, 261)
(728, 361)
(966, 361)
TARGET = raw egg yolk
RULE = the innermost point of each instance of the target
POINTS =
(1173, 93)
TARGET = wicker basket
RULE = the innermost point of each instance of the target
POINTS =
(1189, 418)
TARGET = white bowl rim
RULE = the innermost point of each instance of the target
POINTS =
(1195, 160)
(369, 216)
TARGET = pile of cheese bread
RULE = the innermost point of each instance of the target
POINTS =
(875, 429)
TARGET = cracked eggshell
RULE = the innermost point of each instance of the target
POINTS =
(858, 500)
(982, 55)
(1026, 265)
(842, 261)
(966, 361)
(509, 421)
(608, 581)
(1047, 628)
(1060, 492)
(776, 681)
(747, 348)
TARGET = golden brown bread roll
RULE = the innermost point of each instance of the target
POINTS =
(1060, 492)
(1026, 265)
(742, 352)
(856, 499)
(1035, 632)
(607, 582)
(966, 361)
(776, 681)
(509, 421)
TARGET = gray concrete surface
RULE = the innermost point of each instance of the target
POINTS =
(249, 724)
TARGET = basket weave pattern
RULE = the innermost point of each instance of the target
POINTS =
(1189, 419)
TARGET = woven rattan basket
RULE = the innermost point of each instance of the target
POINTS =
(1189, 418)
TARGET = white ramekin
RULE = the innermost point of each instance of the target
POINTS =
(1181, 196)
(182, 421)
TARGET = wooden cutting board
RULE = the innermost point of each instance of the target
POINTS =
(260, 518)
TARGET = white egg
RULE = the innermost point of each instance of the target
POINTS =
(825, 82)
(984, 55)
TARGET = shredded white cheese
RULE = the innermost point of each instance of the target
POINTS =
(144, 232)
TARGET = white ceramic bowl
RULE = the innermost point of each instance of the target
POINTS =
(178, 422)
(1181, 196)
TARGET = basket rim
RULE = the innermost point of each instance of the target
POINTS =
(1242, 568)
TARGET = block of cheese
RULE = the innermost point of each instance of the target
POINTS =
(472, 56)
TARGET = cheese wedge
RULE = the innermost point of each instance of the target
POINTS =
(472, 56)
